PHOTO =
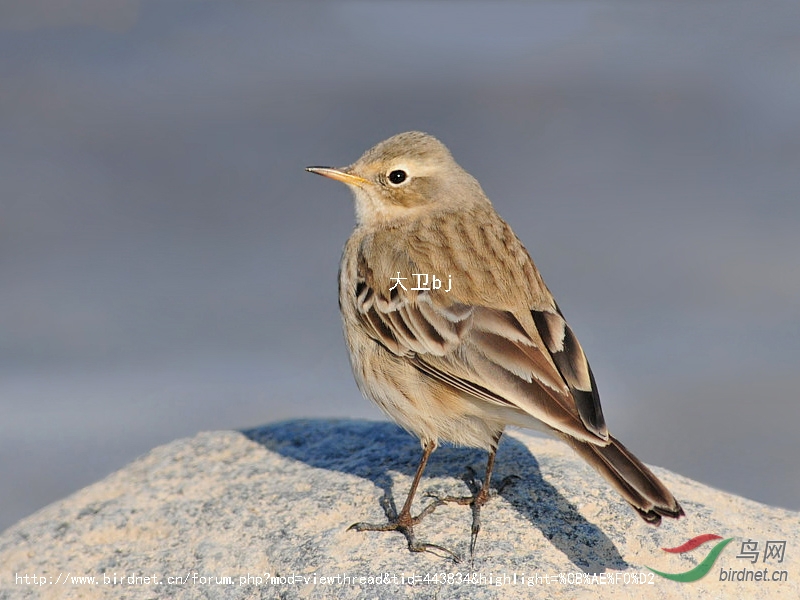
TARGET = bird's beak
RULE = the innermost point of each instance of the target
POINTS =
(338, 175)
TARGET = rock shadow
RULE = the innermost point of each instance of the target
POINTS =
(372, 449)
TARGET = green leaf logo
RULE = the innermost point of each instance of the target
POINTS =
(704, 567)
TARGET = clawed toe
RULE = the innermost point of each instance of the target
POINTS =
(397, 522)
(434, 549)
(481, 493)
(406, 527)
(361, 526)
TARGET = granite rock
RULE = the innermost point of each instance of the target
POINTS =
(265, 514)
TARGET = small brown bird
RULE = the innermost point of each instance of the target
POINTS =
(485, 348)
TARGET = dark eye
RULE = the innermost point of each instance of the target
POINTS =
(397, 176)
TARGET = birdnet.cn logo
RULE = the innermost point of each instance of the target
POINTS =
(771, 552)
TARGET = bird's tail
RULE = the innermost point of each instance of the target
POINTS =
(628, 475)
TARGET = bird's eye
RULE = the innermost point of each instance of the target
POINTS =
(397, 176)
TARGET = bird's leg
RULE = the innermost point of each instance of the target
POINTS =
(480, 495)
(403, 521)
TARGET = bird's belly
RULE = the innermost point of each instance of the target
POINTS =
(418, 403)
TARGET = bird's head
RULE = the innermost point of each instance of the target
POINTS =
(409, 174)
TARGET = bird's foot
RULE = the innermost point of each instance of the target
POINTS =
(404, 523)
(481, 494)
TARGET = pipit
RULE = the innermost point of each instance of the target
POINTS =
(485, 348)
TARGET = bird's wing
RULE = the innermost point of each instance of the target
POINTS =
(531, 362)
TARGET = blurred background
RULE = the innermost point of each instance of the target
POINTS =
(166, 265)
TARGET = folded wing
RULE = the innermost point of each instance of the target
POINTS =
(532, 362)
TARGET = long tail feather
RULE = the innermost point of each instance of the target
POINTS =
(627, 474)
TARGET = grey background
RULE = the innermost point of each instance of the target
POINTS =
(166, 265)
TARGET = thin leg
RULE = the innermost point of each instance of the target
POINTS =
(403, 521)
(480, 495)
(483, 494)
(405, 518)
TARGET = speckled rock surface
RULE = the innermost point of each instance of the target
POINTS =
(264, 514)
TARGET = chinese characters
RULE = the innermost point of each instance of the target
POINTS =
(773, 549)
(425, 282)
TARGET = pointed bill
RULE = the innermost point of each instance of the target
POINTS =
(338, 175)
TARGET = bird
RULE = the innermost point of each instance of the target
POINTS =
(487, 349)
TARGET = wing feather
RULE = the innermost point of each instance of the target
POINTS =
(480, 339)
(489, 354)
